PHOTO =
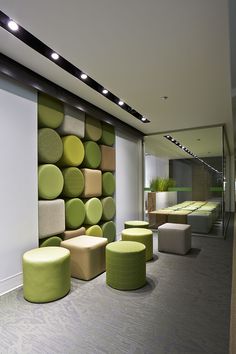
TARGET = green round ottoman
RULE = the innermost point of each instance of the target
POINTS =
(50, 181)
(93, 211)
(50, 147)
(50, 111)
(108, 134)
(50, 241)
(93, 128)
(108, 184)
(94, 230)
(108, 208)
(109, 231)
(74, 213)
(92, 154)
(73, 182)
(46, 274)
(144, 236)
(136, 223)
(125, 265)
(73, 151)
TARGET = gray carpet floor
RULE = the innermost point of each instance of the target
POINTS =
(183, 309)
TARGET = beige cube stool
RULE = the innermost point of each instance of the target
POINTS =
(87, 256)
(174, 238)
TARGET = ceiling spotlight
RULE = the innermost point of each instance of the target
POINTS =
(55, 56)
(83, 76)
(163, 98)
(104, 91)
(120, 103)
(13, 25)
(143, 119)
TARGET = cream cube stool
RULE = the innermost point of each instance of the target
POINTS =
(87, 256)
(174, 238)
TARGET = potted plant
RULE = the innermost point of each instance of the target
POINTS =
(160, 197)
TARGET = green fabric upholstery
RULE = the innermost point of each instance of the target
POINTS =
(108, 208)
(74, 213)
(136, 223)
(50, 181)
(46, 274)
(144, 236)
(108, 134)
(108, 184)
(73, 151)
(50, 241)
(94, 230)
(92, 154)
(93, 128)
(125, 265)
(73, 182)
(50, 147)
(109, 231)
(50, 111)
(93, 210)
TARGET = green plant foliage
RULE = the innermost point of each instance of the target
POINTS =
(159, 184)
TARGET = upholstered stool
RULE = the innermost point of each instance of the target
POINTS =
(94, 230)
(142, 235)
(50, 111)
(178, 216)
(108, 160)
(108, 134)
(109, 230)
(51, 217)
(73, 182)
(93, 128)
(73, 233)
(50, 241)
(125, 265)
(46, 274)
(92, 183)
(136, 223)
(74, 213)
(174, 238)
(108, 208)
(73, 151)
(93, 211)
(50, 181)
(50, 147)
(87, 256)
(92, 154)
(73, 122)
(200, 221)
(108, 184)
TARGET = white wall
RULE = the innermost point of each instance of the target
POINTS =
(129, 179)
(155, 167)
(18, 179)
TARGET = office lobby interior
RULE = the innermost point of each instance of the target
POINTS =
(118, 177)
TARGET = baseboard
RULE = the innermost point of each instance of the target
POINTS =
(10, 283)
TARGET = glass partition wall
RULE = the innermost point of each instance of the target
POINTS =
(184, 175)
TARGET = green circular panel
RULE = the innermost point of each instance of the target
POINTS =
(50, 147)
(74, 213)
(73, 182)
(108, 208)
(108, 134)
(93, 209)
(50, 181)
(109, 231)
(108, 184)
(73, 151)
(50, 241)
(93, 128)
(50, 111)
(94, 230)
(92, 156)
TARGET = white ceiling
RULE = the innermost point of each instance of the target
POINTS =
(140, 50)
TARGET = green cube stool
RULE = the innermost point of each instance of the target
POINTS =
(144, 236)
(46, 274)
(136, 223)
(125, 265)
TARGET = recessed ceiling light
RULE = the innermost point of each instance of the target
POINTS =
(120, 103)
(164, 97)
(83, 76)
(104, 91)
(55, 56)
(13, 25)
(143, 119)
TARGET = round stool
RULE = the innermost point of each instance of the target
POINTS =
(94, 230)
(46, 274)
(140, 235)
(50, 241)
(136, 223)
(125, 265)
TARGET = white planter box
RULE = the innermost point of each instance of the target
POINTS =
(161, 200)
